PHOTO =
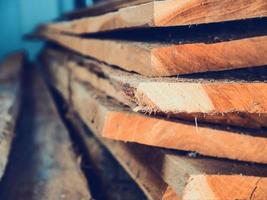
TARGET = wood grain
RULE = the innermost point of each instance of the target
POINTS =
(252, 187)
(183, 172)
(192, 176)
(214, 101)
(166, 13)
(153, 187)
(116, 122)
(148, 181)
(180, 171)
(10, 89)
(169, 59)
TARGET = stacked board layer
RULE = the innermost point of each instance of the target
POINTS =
(186, 80)
(207, 175)
(239, 42)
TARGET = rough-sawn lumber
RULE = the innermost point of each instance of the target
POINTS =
(215, 101)
(168, 59)
(191, 177)
(166, 13)
(117, 122)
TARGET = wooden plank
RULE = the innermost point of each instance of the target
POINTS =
(120, 124)
(113, 181)
(167, 13)
(169, 59)
(116, 122)
(178, 171)
(194, 176)
(152, 185)
(190, 99)
(43, 164)
(10, 71)
(102, 7)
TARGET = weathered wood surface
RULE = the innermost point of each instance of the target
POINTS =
(102, 7)
(166, 13)
(116, 122)
(179, 170)
(10, 71)
(215, 101)
(194, 176)
(120, 124)
(42, 164)
(148, 181)
(169, 59)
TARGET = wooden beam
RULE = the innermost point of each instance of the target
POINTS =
(102, 7)
(10, 90)
(172, 59)
(214, 101)
(43, 164)
(116, 122)
(120, 124)
(167, 13)
(193, 176)
(150, 183)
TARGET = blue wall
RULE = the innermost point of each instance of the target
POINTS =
(19, 17)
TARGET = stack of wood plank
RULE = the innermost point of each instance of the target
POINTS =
(39, 157)
(186, 77)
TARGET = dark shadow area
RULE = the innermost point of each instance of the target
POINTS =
(254, 74)
(201, 33)
(20, 165)
(118, 184)
(93, 181)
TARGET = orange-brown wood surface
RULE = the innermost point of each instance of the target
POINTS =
(166, 13)
(167, 60)
(252, 188)
(175, 167)
(116, 123)
(150, 183)
(216, 101)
